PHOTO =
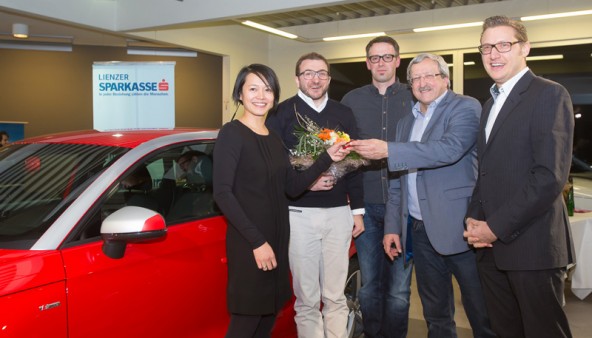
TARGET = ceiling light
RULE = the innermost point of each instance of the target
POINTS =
(556, 15)
(466, 63)
(439, 28)
(43, 46)
(545, 57)
(20, 30)
(161, 52)
(269, 29)
(355, 36)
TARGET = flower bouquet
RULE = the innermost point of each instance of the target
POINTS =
(313, 140)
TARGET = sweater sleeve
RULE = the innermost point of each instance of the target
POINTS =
(299, 181)
(226, 158)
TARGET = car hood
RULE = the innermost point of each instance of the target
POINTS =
(25, 269)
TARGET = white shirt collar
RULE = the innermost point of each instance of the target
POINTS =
(311, 103)
(431, 107)
(507, 87)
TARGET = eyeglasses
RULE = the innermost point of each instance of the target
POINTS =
(385, 58)
(501, 47)
(426, 77)
(310, 74)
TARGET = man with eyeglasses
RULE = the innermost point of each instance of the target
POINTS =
(386, 285)
(517, 218)
(323, 219)
(434, 156)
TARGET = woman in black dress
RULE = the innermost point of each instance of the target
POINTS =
(252, 175)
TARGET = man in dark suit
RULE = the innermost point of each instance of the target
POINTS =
(517, 216)
(434, 152)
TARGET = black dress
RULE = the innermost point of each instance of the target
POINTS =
(252, 175)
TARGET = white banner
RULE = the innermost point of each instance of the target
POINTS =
(133, 95)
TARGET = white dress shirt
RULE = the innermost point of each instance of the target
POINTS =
(419, 127)
(500, 94)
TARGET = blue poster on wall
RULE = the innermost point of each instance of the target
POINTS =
(15, 130)
(133, 95)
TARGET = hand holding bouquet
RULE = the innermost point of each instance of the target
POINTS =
(313, 140)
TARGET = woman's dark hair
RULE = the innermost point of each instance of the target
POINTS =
(266, 74)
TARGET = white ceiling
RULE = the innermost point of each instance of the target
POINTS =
(48, 30)
(107, 22)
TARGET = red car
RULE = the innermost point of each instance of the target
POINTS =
(112, 234)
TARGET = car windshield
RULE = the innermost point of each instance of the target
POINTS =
(37, 183)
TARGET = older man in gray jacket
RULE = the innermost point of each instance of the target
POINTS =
(434, 153)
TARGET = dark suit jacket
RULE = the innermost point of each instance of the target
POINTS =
(522, 170)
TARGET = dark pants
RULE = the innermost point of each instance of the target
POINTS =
(386, 285)
(523, 304)
(434, 283)
(245, 326)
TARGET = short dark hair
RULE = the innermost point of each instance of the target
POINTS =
(382, 39)
(265, 73)
(311, 56)
(500, 20)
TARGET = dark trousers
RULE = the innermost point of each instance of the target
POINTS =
(523, 304)
(434, 283)
(246, 326)
(386, 285)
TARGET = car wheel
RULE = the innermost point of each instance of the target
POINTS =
(353, 284)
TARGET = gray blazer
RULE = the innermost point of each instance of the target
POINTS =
(447, 170)
(522, 171)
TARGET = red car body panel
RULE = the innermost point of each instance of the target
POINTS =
(174, 287)
(33, 294)
(24, 269)
(169, 287)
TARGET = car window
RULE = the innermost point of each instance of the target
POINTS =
(39, 181)
(175, 182)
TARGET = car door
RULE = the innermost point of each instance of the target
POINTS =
(171, 287)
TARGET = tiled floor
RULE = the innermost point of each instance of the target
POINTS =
(579, 313)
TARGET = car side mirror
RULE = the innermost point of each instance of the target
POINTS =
(130, 225)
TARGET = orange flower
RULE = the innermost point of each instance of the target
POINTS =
(313, 140)
(325, 134)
